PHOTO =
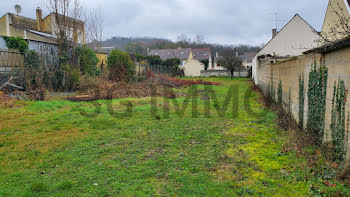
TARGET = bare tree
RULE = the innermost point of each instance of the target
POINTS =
(68, 28)
(339, 27)
(94, 28)
(230, 61)
(183, 39)
(198, 39)
(67, 24)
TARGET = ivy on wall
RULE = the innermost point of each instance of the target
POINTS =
(317, 90)
(16, 43)
(301, 101)
(271, 93)
(279, 93)
(338, 120)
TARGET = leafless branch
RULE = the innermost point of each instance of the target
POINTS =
(94, 28)
(339, 28)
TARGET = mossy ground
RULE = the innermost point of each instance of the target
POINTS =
(50, 149)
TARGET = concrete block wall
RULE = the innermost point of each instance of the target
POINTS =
(338, 64)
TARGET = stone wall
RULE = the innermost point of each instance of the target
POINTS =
(223, 73)
(338, 64)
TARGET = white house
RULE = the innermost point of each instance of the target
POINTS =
(294, 38)
(193, 67)
(247, 59)
(183, 54)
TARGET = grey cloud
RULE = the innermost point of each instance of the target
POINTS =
(220, 21)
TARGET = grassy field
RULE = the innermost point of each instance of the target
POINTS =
(53, 148)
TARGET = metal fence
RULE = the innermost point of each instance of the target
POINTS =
(10, 60)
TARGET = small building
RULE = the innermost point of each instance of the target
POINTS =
(294, 38)
(201, 54)
(217, 63)
(193, 67)
(41, 29)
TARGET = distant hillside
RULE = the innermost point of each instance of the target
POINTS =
(122, 42)
(139, 45)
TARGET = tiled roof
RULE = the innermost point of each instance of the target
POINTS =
(182, 54)
(248, 57)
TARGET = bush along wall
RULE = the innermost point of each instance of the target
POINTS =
(301, 101)
(279, 94)
(317, 91)
(271, 93)
(339, 138)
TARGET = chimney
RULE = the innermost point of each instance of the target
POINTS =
(274, 32)
(39, 19)
(148, 52)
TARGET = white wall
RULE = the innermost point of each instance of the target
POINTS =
(193, 68)
(295, 38)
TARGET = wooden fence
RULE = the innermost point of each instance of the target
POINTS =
(10, 60)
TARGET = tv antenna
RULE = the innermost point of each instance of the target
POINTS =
(276, 18)
(18, 9)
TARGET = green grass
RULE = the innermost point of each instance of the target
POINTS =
(51, 149)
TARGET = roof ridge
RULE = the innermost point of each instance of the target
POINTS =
(296, 15)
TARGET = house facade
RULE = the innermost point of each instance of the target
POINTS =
(294, 38)
(193, 67)
(247, 59)
(337, 16)
(41, 29)
(216, 65)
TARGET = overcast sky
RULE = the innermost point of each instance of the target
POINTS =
(219, 21)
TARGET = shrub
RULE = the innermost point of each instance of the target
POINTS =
(71, 77)
(317, 94)
(121, 66)
(174, 62)
(31, 75)
(86, 60)
(206, 63)
(338, 121)
(154, 60)
(301, 101)
(16, 43)
(280, 93)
